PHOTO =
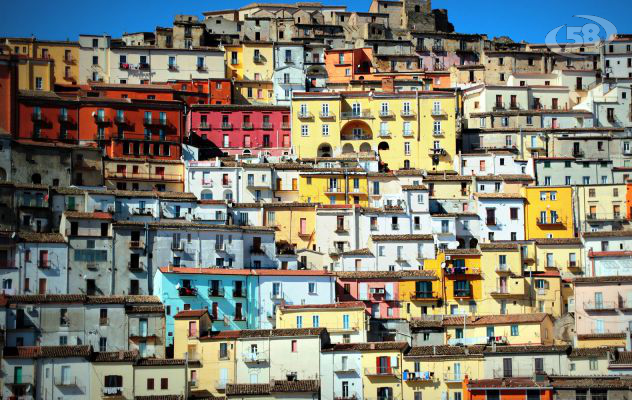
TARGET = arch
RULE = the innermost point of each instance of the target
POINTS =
(383, 146)
(461, 243)
(36, 179)
(324, 150)
(365, 148)
(349, 130)
(228, 195)
(473, 243)
(348, 148)
(3, 174)
(206, 194)
(247, 151)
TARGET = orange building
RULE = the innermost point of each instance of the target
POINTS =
(163, 92)
(628, 199)
(204, 91)
(346, 65)
(517, 388)
(47, 116)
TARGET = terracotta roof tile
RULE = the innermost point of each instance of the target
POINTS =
(462, 252)
(155, 362)
(387, 274)
(601, 382)
(371, 346)
(558, 241)
(401, 238)
(621, 233)
(499, 196)
(115, 356)
(495, 319)
(84, 215)
(603, 279)
(445, 350)
(595, 336)
(623, 358)
(38, 237)
(160, 397)
(340, 305)
(414, 187)
(155, 309)
(190, 314)
(420, 323)
(580, 352)
(527, 349)
(280, 386)
(47, 351)
(506, 383)
(358, 252)
(511, 246)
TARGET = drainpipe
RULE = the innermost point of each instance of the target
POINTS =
(113, 282)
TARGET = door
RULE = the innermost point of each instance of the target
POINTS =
(223, 377)
(303, 226)
(364, 291)
(42, 286)
(142, 327)
(17, 375)
(375, 310)
(457, 371)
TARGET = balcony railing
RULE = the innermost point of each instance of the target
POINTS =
(438, 133)
(438, 112)
(327, 115)
(216, 292)
(247, 126)
(7, 264)
(408, 133)
(112, 391)
(101, 119)
(257, 357)
(137, 266)
(452, 377)
(266, 126)
(239, 293)
(365, 114)
(155, 121)
(384, 133)
(407, 114)
(557, 221)
(187, 291)
(145, 176)
(591, 305)
(256, 250)
(305, 115)
(44, 264)
(382, 371)
(423, 295)
(386, 114)
(462, 293)
(136, 244)
(67, 381)
(437, 151)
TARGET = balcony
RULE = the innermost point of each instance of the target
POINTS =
(112, 391)
(407, 114)
(101, 119)
(604, 217)
(503, 269)
(201, 67)
(44, 264)
(267, 126)
(258, 59)
(177, 246)
(173, 67)
(285, 126)
(327, 115)
(67, 382)
(355, 136)
(451, 377)
(437, 152)
(491, 221)
(136, 244)
(420, 377)
(438, 133)
(239, 293)
(602, 306)
(247, 126)
(227, 182)
(92, 266)
(216, 292)
(227, 126)
(256, 250)
(577, 153)
(462, 293)
(387, 114)
(408, 133)
(342, 228)
(552, 223)
(144, 176)
(305, 115)
(503, 291)
(121, 120)
(144, 66)
(366, 114)
(18, 382)
(499, 107)
(333, 190)
(438, 112)
(449, 270)
(187, 291)
(155, 121)
(141, 211)
(64, 118)
(136, 266)
(37, 117)
(514, 105)
(255, 358)
(573, 265)
(384, 134)
(389, 372)
(220, 385)
(423, 295)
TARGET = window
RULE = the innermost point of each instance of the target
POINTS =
(294, 346)
(304, 130)
(514, 330)
(513, 213)
(164, 383)
(315, 321)
(594, 365)
(103, 344)
(311, 287)
(325, 130)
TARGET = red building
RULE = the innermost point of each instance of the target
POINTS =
(8, 93)
(243, 129)
(162, 92)
(133, 128)
(507, 389)
(204, 91)
(47, 116)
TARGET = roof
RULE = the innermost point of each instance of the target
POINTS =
(401, 238)
(258, 272)
(81, 299)
(38, 237)
(601, 382)
(47, 351)
(558, 241)
(621, 233)
(496, 319)
(500, 383)
(387, 274)
(601, 336)
(115, 356)
(528, 349)
(370, 346)
(263, 333)
(155, 362)
(190, 314)
(420, 323)
(512, 246)
(462, 252)
(445, 350)
(340, 305)
(603, 279)
(580, 352)
(358, 252)
(281, 386)
(85, 215)
(514, 196)
(623, 358)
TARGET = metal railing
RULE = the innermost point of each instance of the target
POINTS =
(356, 115)
(591, 305)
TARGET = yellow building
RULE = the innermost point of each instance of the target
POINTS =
(213, 353)
(549, 212)
(600, 206)
(61, 56)
(563, 255)
(407, 129)
(346, 322)
(546, 289)
(505, 291)
(34, 74)
(421, 296)
(113, 363)
(438, 371)
(295, 223)
(449, 186)
(516, 329)
(334, 186)
(253, 72)
(461, 279)
(382, 369)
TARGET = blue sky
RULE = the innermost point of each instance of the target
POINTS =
(66, 19)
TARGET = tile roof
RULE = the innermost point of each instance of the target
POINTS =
(154, 362)
(462, 252)
(38, 237)
(621, 233)
(401, 238)
(115, 356)
(445, 350)
(254, 333)
(526, 349)
(558, 241)
(593, 336)
(340, 305)
(370, 346)
(496, 319)
(420, 323)
(280, 386)
(358, 252)
(598, 382)
(47, 351)
(604, 279)
(387, 274)
(623, 358)
(499, 196)
(258, 272)
(579, 352)
(85, 215)
(506, 383)
(154, 309)
(414, 187)
(160, 397)
(82, 299)
(190, 314)
(511, 246)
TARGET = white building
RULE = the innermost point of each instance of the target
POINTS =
(501, 216)
(607, 253)
(147, 64)
(616, 58)
(492, 163)
(42, 261)
(402, 251)
(208, 180)
(289, 72)
(341, 373)
(94, 58)
(293, 287)
(610, 104)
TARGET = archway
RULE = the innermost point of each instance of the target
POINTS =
(383, 146)
(348, 148)
(356, 130)
(461, 243)
(247, 152)
(3, 174)
(324, 150)
(36, 179)
(206, 195)
(228, 195)
(365, 148)
(473, 243)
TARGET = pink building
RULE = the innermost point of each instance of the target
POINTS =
(378, 291)
(443, 60)
(243, 129)
(603, 306)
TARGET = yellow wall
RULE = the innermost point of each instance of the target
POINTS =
(40, 68)
(531, 333)
(315, 188)
(332, 319)
(563, 205)
(445, 380)
(560, 258)
(234, 70)
(287, 221)
(516, 298)
(372, 383)
(341, 139)
(549, 299)
(411, 307)
(29, 70)
(471, 263)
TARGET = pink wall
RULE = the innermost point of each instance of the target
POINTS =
(379, 299)
(277, 133)
(615, 308)
(446, 60)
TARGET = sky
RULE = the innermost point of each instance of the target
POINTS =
(66, 19)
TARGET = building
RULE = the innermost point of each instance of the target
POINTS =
(549, 212)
